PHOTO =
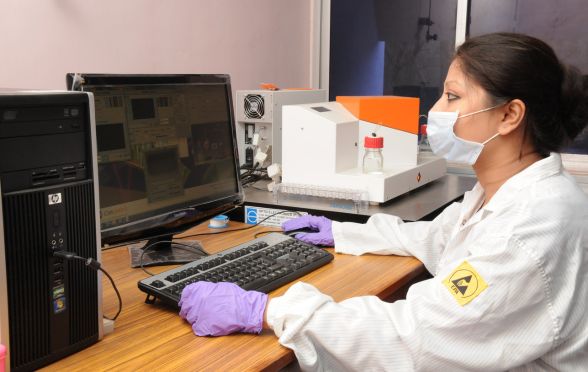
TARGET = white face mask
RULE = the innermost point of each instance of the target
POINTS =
(445, 143)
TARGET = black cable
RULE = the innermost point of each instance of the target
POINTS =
(257, 234)
(241, 228)
(250, 181)
(253, 178)
(248, 172)
(206, 233)
(94, 265)
(253, 175)
(117, 295)
(141, 240)
(192, 248)
(185, 247)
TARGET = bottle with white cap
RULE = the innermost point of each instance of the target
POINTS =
(373, 160)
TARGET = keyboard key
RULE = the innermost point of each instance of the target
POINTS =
(256, 283)
(157, 283)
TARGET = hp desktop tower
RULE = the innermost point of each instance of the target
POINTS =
(49, 307)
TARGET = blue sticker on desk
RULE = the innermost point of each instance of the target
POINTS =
(59, 305)
(250, 215)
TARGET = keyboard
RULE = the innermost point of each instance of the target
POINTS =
(262, 264)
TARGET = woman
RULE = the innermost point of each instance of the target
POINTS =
(510, 262)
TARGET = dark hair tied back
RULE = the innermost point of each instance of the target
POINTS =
(510, 66)
(574, 101)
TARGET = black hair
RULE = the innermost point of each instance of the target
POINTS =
(510, 66)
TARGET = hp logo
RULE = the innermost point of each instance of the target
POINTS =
(54, 198)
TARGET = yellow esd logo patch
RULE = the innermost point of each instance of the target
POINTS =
(464, 283)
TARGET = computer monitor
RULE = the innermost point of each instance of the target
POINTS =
(167, 155)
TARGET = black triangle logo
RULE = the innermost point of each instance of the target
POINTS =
(465, 280)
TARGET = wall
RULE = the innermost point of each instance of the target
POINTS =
(254, 41)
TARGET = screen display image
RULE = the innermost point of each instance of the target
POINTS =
(166, 152)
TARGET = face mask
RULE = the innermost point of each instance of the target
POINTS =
(445, 143)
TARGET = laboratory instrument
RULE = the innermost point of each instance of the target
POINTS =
(322, 149)
(259, 121)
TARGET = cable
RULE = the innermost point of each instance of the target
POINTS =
(206, 233)
(249, 171)
(254, 179)
(185, 247)
(105, 248)
(257, 234)
(94, 265)
(253, 176)
(191, 248)
(241, 228)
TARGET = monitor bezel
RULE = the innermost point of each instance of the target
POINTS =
(175, 220)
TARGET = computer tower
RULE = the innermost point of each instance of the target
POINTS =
(49, 307)
(260, 112)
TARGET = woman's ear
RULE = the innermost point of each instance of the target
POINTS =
(512, 116)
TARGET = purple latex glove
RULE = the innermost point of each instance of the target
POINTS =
(323, 226)
(218, 309)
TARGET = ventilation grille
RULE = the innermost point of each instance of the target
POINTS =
(254, 106)
(83, 282)
(27, 255)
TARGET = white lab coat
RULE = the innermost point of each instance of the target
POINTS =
(529, 244)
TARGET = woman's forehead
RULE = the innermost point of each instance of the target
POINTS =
(457, 79)
(455, 75)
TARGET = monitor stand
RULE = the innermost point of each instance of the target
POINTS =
(161, 251)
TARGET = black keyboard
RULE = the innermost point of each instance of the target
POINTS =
(262, 264)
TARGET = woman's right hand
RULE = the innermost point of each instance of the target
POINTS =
(320, 227)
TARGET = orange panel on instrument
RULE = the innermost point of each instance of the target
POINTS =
(400, 113)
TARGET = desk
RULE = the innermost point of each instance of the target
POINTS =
(423, 203)
(153, 337)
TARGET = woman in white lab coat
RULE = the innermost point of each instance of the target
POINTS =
(509, 263)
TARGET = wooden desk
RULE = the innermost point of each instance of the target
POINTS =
(153, 337)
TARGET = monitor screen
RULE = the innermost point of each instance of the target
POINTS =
(166, 148)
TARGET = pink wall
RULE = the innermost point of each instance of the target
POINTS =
(252, 40)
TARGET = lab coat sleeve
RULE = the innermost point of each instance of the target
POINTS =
(386, 235)
(506, 325)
